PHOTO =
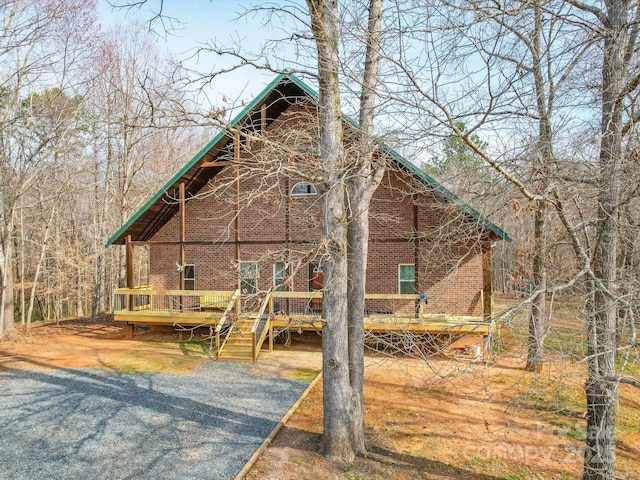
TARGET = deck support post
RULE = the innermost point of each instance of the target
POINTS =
(486, 283)
(253, 347)
(129, 329)
(129, 302)
(417, 264)
(269, 324)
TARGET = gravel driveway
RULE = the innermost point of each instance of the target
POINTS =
(101, 424)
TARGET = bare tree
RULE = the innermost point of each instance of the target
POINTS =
(29, 54)
(544, 69)
(589, 224)
(618, 22)
(337, 396)
(136, 116)
(364, 178)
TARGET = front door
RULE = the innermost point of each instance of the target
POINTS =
(315, 285)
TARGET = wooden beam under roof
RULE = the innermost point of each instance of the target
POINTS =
(224, 163)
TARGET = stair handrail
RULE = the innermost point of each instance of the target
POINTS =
(230, 306)
(265, 303)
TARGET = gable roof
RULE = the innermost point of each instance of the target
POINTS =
(162, 206)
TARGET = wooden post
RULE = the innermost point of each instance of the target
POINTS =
(129, 330)
(487, 312)
(263, 118)
(287, 238)
(130, 261)
(236, 158)
(416, 249)
(254, 355)
(183, 230)
(269, 325)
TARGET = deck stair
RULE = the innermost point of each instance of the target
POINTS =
(239, 344)
(244, 335)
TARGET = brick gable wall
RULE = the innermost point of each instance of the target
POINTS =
(276, 227)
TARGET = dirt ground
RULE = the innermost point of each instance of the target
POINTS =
(445, 419)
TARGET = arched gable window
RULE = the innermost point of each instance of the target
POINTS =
(302, 189)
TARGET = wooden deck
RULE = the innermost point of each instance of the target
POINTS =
(235, 318)
(429, 324)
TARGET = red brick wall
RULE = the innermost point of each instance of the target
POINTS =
(275, 227)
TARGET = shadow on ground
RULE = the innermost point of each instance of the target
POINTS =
(98, 423)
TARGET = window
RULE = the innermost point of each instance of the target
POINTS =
(301, 189)
(249, 277)
(407, 278)
(189, 277)
(282, 274)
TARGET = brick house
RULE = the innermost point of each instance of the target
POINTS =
(245, 212)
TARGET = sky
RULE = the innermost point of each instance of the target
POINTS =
(193, 22)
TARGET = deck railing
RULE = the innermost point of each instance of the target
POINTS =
(143, 304)
(309, 304)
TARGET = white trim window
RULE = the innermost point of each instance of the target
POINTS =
(189, 277)
(248, 277)
(303, 189)
(406, 278)
(282, 280)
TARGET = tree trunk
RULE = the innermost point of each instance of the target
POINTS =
(357, 240)
(538, 322)
(22, 256)
(79, 295)
(7, 327)
(337, 398)
(337, 392)
(96, 297)
(41, 259)
(360, 187)
(601, 387)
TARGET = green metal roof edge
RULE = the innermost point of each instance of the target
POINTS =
(444, 191)
(448, 194)
(202, 152)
